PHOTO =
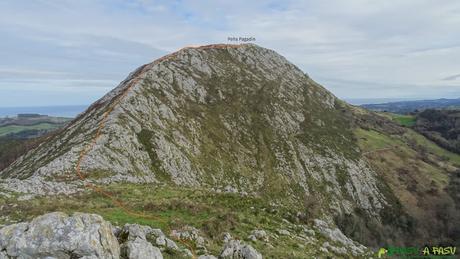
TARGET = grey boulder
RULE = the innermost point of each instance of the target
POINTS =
(234, 249)
(141, 249)
(58, 235)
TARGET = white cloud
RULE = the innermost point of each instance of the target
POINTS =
(356, 48)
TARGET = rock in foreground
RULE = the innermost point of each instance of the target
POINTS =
(88, 236)
(57, 235)
(235, 249)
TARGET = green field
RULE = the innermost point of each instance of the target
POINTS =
(371, 140)
(404, 120)
(5, 130)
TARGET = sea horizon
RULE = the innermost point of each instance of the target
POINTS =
(68, 111)
(71, 111)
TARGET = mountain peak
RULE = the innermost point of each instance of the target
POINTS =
(236, 116)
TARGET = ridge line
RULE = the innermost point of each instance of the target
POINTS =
(88, 147)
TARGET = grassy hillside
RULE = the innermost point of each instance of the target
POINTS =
(404, 120)
(422, 176)
(172, 208)
(433, 148)
(441, 126)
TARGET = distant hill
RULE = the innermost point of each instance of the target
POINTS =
(26, 126)
(405, 107)
(23, 132)
(68, 111)
(441, 126)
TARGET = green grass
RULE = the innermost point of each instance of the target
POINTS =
(412, 171)
(404, 120)
(5, 130)
(433, 147)
(171, 208)
(399, 154)
(370, 140)
(401, 119)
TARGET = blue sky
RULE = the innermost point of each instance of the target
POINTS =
(63, 52)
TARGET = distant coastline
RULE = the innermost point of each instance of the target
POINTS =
(68, 111)
(361, 101)
(407, 107)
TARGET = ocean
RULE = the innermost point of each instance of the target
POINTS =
(69, 111)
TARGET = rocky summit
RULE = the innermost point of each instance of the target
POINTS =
(236, 116)
(234, 152)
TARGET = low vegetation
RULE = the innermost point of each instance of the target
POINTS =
(12, 148)
(171, 208)
(441, 126)
(421, 176)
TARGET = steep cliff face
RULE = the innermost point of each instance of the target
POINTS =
(222, 116)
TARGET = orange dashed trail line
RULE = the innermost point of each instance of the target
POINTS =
(117, 202)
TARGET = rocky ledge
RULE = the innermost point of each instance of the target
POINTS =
(60, 236)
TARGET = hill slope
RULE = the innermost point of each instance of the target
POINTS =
(233, 116)
(441, 126)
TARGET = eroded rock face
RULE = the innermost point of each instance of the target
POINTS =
(335, 235)
(57, 235)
